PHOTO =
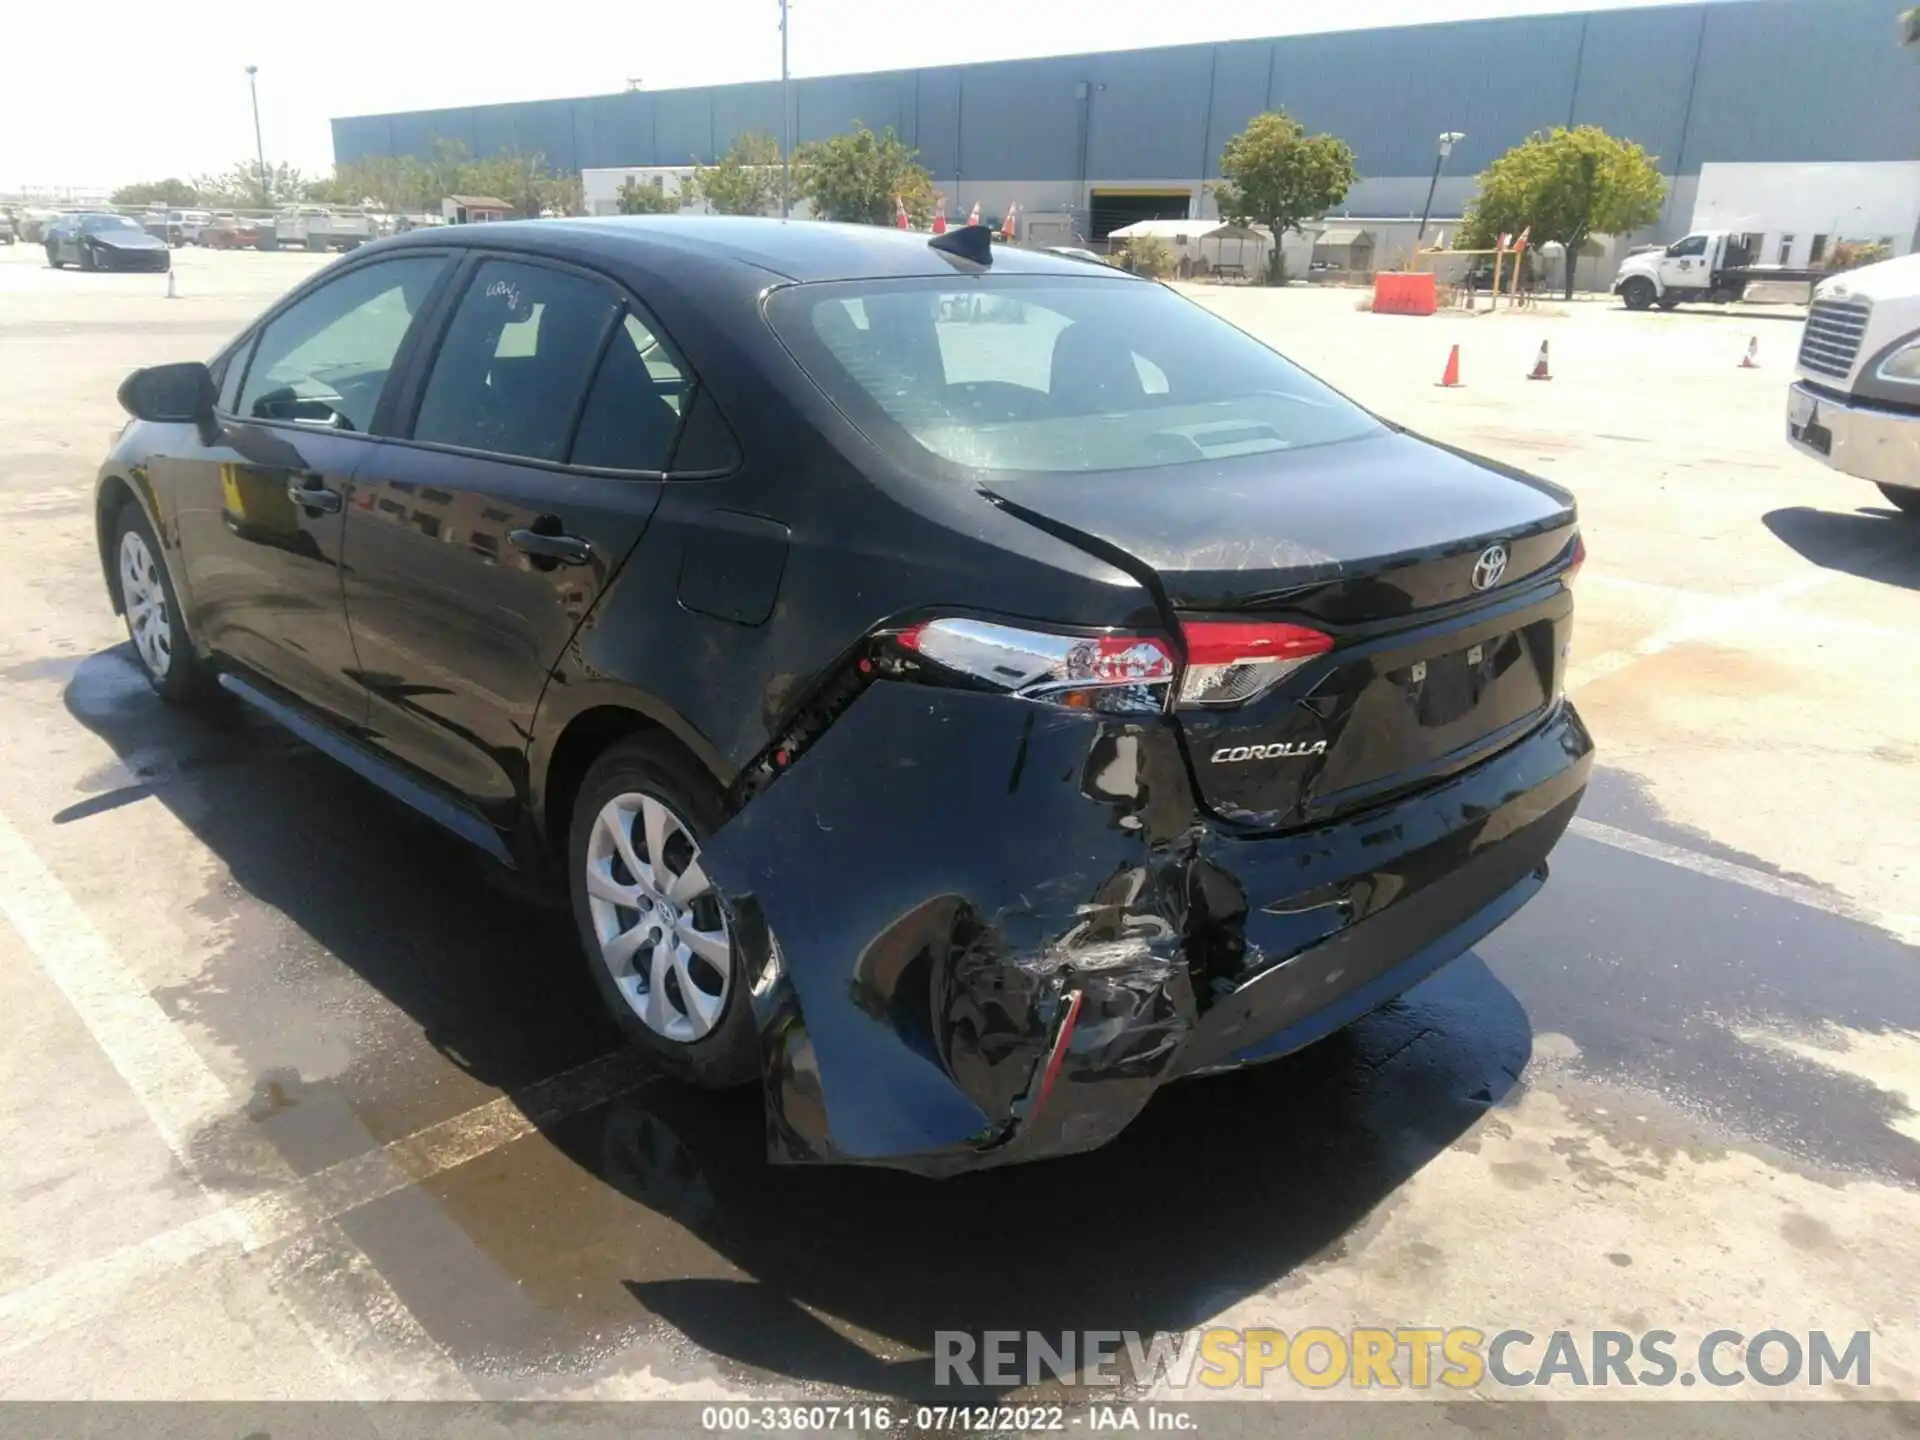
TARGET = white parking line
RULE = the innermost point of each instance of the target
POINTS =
(1907, 927)
(355, 1327)
(90, 1288)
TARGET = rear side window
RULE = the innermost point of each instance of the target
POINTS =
(516, 361)
(633, 410)
(324, 360)
(1013, 374)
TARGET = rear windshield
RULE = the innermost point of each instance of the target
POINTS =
(1039, 374)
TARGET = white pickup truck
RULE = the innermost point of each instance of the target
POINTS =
(1855, 404)
(315, 227)
(1708, 265)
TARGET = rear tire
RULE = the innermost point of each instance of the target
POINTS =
(1638, 293)
(1906, 499)
(665, 963)
(152, 610)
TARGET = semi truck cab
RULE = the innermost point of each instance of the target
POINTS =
(1855, 402)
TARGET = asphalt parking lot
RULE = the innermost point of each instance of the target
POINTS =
(298, 1102)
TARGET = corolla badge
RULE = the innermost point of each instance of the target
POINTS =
(1284, 749)
(1491, 565)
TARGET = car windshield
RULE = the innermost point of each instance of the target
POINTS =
(1038, 374)
(94, 224)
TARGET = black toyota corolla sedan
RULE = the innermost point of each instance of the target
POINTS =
(963, 688)
(105, 242)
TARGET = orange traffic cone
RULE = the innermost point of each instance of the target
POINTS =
(1751, 360)
(1450, 377)
(1539, 371)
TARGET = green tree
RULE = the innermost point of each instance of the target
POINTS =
(856, 176)
(746, 180)
(172, 191)
(1565, 185)
(646, 197)
(1146, 255)
(522, 180)
(244, 186)
(395, 183)
(1275, 174)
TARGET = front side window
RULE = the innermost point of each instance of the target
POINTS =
(324, 360)
(1052, 375)
(1692, 245)
(515, 363)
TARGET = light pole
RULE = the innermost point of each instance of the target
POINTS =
(786, 124)
(1447, 139)
(259, 150)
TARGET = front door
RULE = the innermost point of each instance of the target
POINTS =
(262, 507)
(1684, 266)
(480, 542)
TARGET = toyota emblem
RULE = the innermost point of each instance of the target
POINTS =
(1491, 565)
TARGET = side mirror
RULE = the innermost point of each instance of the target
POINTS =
(176, 394)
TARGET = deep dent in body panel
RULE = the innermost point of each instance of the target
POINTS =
(945, 869)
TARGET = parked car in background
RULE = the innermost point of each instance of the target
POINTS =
(235, 232)
(960, 718)
(1078, 252)
(106, 242)
(185, 227)
(7, 235)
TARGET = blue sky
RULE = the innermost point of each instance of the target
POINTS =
(119, 90)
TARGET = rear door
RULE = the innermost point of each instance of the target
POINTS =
(479, 541)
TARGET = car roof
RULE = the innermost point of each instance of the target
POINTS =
(799, 250)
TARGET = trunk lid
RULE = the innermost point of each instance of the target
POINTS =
(1376, 542)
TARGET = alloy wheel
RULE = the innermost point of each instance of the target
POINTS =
(144, 597)
(662, 931)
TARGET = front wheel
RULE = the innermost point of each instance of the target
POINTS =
(656, 932)
(152, 610)
(1905, 497)
(1638, 293)
(87, 259)
(53, 258)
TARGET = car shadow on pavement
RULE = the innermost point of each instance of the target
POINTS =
(1874, 542)
(1223, 1188)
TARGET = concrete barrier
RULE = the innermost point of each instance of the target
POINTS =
(1404, 294)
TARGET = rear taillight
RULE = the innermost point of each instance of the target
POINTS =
(1112, 673)
(1229, 662)
(1579, 558)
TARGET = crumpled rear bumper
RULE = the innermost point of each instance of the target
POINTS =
(946, 871)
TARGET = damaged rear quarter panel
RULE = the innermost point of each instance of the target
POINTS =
(940, 870)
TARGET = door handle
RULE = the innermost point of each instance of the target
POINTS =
(314, 497)
(567, 549)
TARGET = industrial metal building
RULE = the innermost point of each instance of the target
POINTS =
(1788, 118)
